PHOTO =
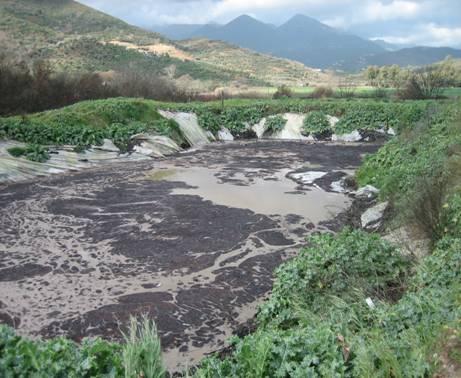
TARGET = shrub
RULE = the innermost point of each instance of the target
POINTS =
(17, 151)
(334, 266)
(283, 92)
(88, 123)
(209, 121)
(32, 152)
(317, 124)
(275, 124)
(425, 206)
(139, 356)
(311, 351)
(21, 357)
(322, 92)
(424, 83)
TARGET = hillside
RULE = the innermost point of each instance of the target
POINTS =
(74, 37)
(275, 71)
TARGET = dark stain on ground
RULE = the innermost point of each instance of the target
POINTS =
(19, 272)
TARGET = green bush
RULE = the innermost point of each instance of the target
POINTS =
(32, 152)
(421, 152)
(317, 124)
(334, 267)
(21, 357)
(17, 151)
(275, 124)
(88, 123)
(276, 353)
(282, 92)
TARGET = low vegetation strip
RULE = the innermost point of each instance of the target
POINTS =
(89, 122)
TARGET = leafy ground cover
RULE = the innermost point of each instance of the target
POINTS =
(88, 123)
(317, 124)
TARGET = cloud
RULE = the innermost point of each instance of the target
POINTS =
(428, 34)
(418, 21)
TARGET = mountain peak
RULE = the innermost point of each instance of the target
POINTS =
(244, 18)
(303, 21)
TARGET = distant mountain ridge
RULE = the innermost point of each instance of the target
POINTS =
(310, 42)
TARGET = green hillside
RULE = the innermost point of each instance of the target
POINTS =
(74, 37)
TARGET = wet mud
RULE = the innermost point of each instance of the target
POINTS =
(191, 240)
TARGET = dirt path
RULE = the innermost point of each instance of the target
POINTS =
(191, 240)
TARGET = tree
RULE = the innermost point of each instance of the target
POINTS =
(372, 74)
(424, 83)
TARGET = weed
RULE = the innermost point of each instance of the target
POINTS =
(141, 353)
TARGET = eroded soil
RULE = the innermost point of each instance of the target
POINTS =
(191, 240)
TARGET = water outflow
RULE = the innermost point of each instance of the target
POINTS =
(189, 126)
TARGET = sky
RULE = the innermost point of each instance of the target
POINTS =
(407, 22)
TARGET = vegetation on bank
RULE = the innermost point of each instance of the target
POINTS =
(89, 122)
(353, 114)
(352, 305)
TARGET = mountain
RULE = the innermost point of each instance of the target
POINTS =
(301, 38)
(386, 45)
(73, 37)
(177, 31)
(315, 44)
(275, 71)
(414, 56)
(244, 31)
(318, 45)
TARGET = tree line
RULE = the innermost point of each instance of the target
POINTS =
(416, 83)
(32, 88)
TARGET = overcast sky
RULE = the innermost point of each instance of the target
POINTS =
(417, 22)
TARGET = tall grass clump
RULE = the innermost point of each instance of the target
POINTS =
(141, 353)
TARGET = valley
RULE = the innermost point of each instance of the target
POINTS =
(225, 197)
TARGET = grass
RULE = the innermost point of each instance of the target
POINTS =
(142, 354)
(365, 91)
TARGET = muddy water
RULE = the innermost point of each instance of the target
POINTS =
(190, 240)
(270, 194)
